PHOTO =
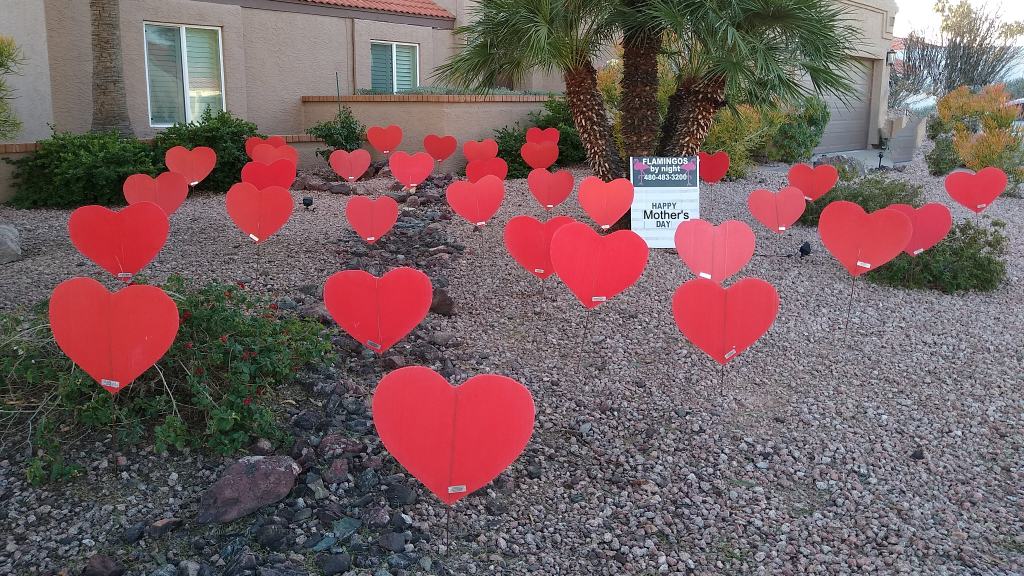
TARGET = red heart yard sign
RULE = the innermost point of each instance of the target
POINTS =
(279, 173)
(713, 167)
(478, 169)
(453, 439)
(168, 190)
(350, 165)
(267, 154)
(528, 241)
(605, 202)
(259, 213)
(538, 135)
(482, 150)
(931, 224)
(597, 268)
(115, 337)
(862, 242)
(714, 252)
(411, 169)
(550, 189)
(440, 148)
(777, 211)
(371, 219)
(813, 182)
(477, 202)
(121, 243)
(723, 322)
(976, 192)
(385, 139)
(195, 164)
(539, 154)
(254, 141)
(378, 312)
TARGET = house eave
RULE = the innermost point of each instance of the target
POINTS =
(299, 7)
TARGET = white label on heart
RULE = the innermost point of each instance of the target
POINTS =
(551, 205)
(599, 299)
(124, 275)
(863, 264)
(481, 223)
(808, 198)
(605, 227)
(457, 489)
(110, 384)
(730, 353)
(982, 205)
(782, 228)
(370, 238)
(373, 345)
(538, 270)
(705, 275)
(194, 183)
(918, 251)
(253, 236)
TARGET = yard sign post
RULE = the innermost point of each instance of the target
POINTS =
(666, 193)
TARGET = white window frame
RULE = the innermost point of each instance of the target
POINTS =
(184, 67)
(394, 62)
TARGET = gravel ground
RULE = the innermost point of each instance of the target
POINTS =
(894, 446)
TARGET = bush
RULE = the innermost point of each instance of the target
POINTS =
(510, 140)
(872, 193)
(1000, 148)
(10, 63)
(943, 158)
(801, 132)
(211, 390)
(223, 132)
(556, 114)
(936, 127)
(739, 132)
(71, 170)
(344, 132)
(971, 258)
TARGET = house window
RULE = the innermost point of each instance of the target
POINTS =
(394, 67)
(184, 73)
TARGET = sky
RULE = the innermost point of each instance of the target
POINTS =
(919, 15)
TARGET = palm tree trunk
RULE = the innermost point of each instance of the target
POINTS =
(109, 103)
(676, 102)
(696, 112)
(591, 120)
(640, 92)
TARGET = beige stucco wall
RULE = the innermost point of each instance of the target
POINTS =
(25, 22)
(875, 18)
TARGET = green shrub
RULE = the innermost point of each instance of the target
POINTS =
(70, 170)
(943, 158)
(510, 140)
(212, 390)
(11, 58)
(556, 114)
(872, 193)
(936, 127)
(452, 91)
(223, 132)
(801, 132)
(343, 132)
(739, 132)
(971, 258)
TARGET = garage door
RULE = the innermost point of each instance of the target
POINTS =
(848, 128)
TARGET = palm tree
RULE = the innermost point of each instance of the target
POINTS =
(510, 38)
(109, 103)
(641, 47)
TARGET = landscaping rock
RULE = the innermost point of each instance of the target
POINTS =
(10, 244)
(341, 188)
(100, 565)
(849, 167)
(246, 486)
(334, 564)
(442, 303)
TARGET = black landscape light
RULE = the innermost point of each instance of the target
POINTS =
(307, 202)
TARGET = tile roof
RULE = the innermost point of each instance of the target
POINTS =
(411, 7)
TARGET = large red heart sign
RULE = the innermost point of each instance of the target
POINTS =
(195, 164)
(385, 139)
(713, 167)
(597, 268)
(350, 165)
(440, 148)
(254, 141)
(112, 337)
(259, 212)
(605, 202)
(550, 189)
(478, 201)
(539, 154)
(121, 243)
(279, 173)
(538, 135)
(723, 322)
(714, 252)
(931, 223)
(371, 219)
(813, 182)
(862, 242)
(411, 169)
(482, 150)
(976, 192)
(453, 439)
(528, 241)
(168, 190)
(378, 312)
(777, 211)
(478, 169)
(267, 154)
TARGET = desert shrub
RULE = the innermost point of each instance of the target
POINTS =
(872, 193)
(223, 132)
(943, 158)
(935, 127)
(212, 390)
(510, 140)
(739, 132)
(70, 170)
(10, 63)
(556, 114)
(343, 132)
(998, 147)
(801, 132)
(971, 258)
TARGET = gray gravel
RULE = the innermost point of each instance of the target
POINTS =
(895, 446)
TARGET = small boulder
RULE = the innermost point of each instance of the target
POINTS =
(442, 303)
(100, 565)
(333, 564)
(246, 486)
(341, 188)
(849, 168)
(10, 244)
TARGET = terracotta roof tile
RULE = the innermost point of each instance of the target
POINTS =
(411, 7)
